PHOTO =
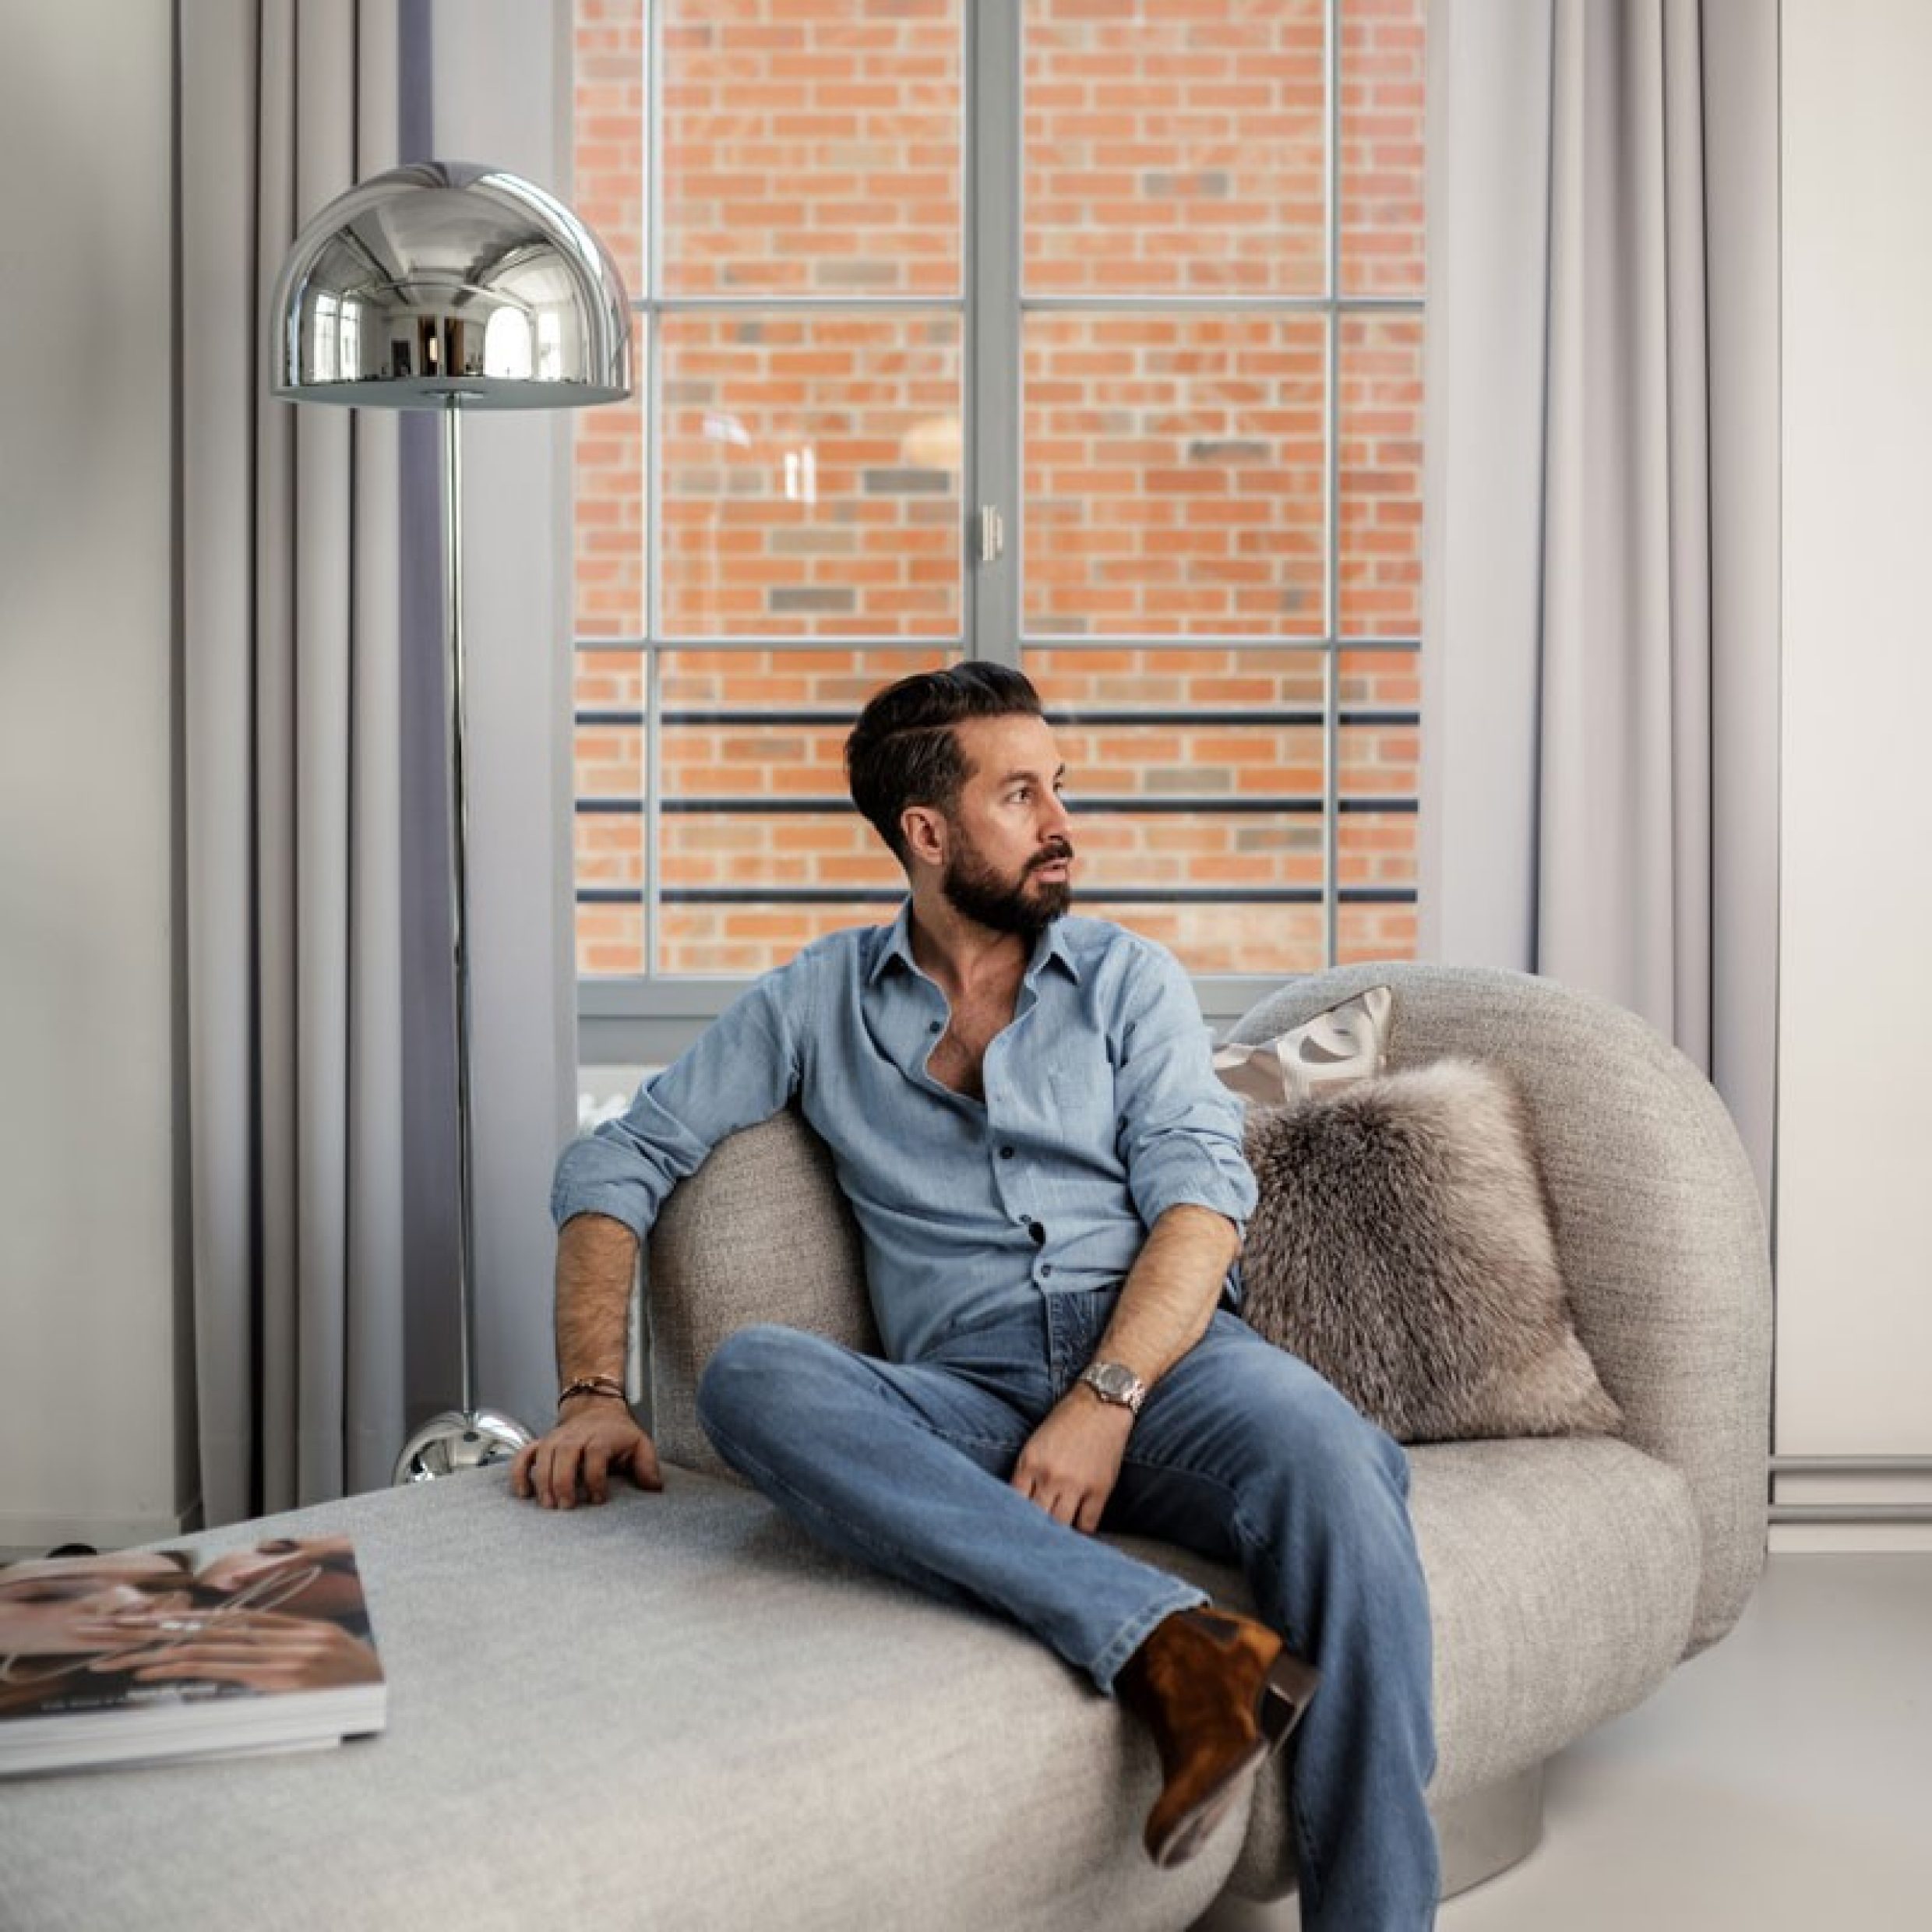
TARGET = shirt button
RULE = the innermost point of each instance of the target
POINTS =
(1046, 1268)
(1006, 1154)
(936, 1026)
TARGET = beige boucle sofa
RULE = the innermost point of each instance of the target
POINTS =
(1567, 1577)
(675, 1713)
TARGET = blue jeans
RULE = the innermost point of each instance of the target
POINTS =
(1242, 1453)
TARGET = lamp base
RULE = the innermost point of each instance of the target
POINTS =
(459, 1439)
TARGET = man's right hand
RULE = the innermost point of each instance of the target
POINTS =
(574, 1461)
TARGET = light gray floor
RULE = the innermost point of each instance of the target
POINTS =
(1780, 1782)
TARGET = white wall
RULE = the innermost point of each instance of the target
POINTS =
(92, 1378)
(1855, 1116)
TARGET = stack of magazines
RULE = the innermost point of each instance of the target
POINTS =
(152, 1655)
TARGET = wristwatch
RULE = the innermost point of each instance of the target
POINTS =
(1113, 1384)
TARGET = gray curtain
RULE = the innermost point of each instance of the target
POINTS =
(319, 1003)
(1601, 574)
(289, 587)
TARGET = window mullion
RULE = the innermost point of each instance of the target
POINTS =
(1331, 487)
(992, 472)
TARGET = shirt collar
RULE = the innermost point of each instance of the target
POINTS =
(897, 945)
(1051, 945)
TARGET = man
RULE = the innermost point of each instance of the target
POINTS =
(1050, 1189)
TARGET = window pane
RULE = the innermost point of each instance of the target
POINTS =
(1174, 150)
(713, 856)
(1376, 853)
(1365, 933)
(812, 151)
(1267, 940)
(833, 681)
(609, 827)
(1379, 750)
(1076, 681)
(607, 456)
(610, 938)
(1389, 680)
(746, 760)
(1123, 851)
(610, 109)
(737, 941)
(1379, 475)
(1381, 147)
(1179, 758)
(1195, 778)
(1174, 470)
(811, 475)
(761, 849)
(1377, 761)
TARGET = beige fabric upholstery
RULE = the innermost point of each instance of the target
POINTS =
(673, 1714)
(1567, 1577)
(1659, 1229)
(760, 1233)
(681, 1714)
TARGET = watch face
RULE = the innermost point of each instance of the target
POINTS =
(1115, 1383)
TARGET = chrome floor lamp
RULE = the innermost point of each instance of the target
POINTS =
(448, 286)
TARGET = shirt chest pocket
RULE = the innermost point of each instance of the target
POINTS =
(1080, 1080)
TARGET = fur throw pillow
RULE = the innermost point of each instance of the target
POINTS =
(1402, 1246)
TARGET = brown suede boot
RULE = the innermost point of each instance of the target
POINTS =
(1221, 1694)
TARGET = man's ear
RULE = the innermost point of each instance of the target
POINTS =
(924, 830)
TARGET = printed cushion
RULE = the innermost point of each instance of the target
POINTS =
(1346, 1043)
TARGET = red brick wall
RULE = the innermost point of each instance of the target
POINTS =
(809, 482)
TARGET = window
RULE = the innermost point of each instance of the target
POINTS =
(1085, 334)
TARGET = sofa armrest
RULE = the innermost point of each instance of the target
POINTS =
(760, 1233)
(1659, 1228)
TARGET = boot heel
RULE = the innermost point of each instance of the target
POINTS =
(1290, 1686)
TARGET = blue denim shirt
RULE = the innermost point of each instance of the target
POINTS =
(1102, 1111)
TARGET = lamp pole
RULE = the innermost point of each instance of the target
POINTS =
(468, 288)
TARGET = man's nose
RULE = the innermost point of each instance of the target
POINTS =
(1057, 818)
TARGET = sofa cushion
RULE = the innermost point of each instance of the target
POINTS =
(673, 1713)
(1401, 1245)
(1563, 1573)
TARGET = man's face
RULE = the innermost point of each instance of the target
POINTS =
(1009, 860)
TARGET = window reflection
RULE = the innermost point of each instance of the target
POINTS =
(506, 346)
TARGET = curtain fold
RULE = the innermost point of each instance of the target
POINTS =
(289, 570)
(1601, 563)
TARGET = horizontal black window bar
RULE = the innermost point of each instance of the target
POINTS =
(784, 807)
(635, 644)
(1095, 895)
(1309, 716)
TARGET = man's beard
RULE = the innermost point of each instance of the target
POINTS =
(1023, 905)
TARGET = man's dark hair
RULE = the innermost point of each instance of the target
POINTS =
(903, 751)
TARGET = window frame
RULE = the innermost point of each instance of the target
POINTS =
(647, 1019)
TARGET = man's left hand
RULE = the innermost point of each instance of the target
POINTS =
(1072, 1460)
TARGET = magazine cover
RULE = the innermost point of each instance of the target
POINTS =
(141, 1655)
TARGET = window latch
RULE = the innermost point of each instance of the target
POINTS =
(993, 534)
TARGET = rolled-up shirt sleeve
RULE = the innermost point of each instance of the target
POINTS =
(741, 1070)
(1180, 1129)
